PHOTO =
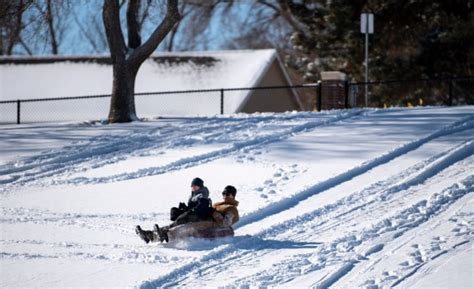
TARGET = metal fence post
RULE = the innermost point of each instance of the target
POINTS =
(18, 111)
(450, 100)
(222, 101)
(318, 96)
(346, 94)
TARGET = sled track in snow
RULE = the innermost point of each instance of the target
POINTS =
(118, 147)
(136, 256)
(422, 173)
(424, 242)
(213, 155)
(419, 266)
(463, 124)
(385, 190)
(65, 160)
(76, 251)
(408, 219)
(323, 220)
(115, 147)
(93, 221)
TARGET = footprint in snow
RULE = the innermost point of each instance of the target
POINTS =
(392, 277)
(462, 232)
(374, 249)
(435, 247)
(416, 257)
(404, 264)
(370, 284)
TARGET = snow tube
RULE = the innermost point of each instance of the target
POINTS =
(205, 229)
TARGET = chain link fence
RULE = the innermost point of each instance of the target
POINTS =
(418, 92)
(178, 103)
(157, 104)
(450, 91)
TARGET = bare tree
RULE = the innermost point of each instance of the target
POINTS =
(48, 24)
(12, 24)
(127, 59)
(91, 29)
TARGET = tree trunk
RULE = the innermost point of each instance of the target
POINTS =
(126, 62)
(122, 104)
(49, 19)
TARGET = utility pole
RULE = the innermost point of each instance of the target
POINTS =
(367, 27)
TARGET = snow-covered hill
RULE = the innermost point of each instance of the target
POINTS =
(356, 198)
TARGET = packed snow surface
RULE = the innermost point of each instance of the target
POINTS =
(356, 198)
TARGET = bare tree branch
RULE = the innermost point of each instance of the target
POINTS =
(11, 23)
(49, 20)
(285, 8)
(270, 5)
(146, 49)
(133, 26)
(113, 30)
(175, 29)
(16, 29)
(87, 34)
(145, 14)
(23, 44)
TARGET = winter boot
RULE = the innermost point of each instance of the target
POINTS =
(164, 232)
(160, 233)
(146, 236)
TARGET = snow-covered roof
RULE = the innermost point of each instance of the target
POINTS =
(59, 76)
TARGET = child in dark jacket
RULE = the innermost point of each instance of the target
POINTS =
(198, 209)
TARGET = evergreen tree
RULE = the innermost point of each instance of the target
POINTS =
(412, 39)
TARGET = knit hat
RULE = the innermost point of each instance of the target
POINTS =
(231, 190)
(197, 182)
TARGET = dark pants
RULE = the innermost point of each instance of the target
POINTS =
(186, 217)
(194, 212)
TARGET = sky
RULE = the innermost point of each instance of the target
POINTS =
(86, 17)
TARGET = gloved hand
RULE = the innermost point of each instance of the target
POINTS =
(182, 206)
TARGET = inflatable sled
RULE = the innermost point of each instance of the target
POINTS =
(205, 229)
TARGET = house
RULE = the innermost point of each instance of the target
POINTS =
(24, 77)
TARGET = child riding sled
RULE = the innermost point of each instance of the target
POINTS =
(198, 209)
